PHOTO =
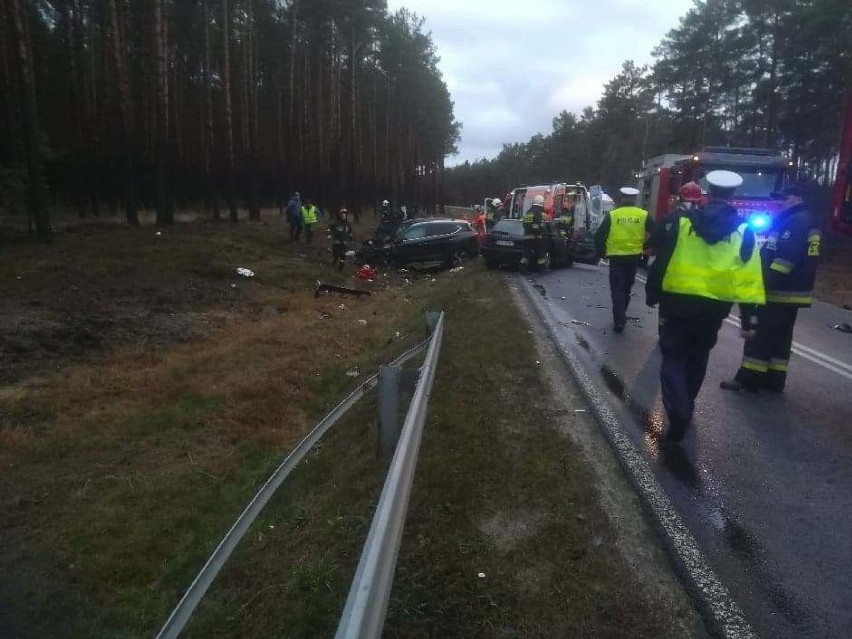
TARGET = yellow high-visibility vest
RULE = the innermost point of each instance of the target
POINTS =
(715, 271)
(626, 231)
(309, 214)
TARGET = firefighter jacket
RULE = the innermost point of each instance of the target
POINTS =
(790, 256)
(710, 243)
(341, 232)
(533, 219)
(623, 231)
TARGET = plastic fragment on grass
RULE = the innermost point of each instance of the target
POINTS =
(362, 322)
(353, 372)
(481, 575)
(245, 272)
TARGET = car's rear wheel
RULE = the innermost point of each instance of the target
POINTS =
(456, 258)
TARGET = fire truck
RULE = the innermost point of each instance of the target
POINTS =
(763, 172)
(841, 199)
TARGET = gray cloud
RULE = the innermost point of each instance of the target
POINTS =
(512, 66)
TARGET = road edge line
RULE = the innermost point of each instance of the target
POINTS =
(715, 603)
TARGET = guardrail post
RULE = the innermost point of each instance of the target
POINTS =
(388, 405)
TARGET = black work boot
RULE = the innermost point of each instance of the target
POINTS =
(677, 429)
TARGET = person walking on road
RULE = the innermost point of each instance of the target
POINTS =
(309, 220)
(706, 261)
(621, 238)
(789, 261)
(341, 237)
(294, 216)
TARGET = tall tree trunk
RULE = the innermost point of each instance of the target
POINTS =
(77, 172)
(165, 212)
(229, 122)
(210, 199)
(131, 208)
(37, 212)
(251, 82)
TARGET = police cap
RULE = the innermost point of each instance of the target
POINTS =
(723, 183)
(628, 190)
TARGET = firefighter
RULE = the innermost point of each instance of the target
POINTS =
(789, 259)
(491, 213)
(341, 237)
(689, 196)
(533, 221)
(565, 221)
(706, 261)
(309, 219)
(621, 238)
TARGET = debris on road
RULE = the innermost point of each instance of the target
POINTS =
(343, 290)
(245, 272)
(843, 328)
(580, 322)
(848, 307)
(456, 269)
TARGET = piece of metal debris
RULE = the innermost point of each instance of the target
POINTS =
(843, 328)
(245, 272)
(319, 288)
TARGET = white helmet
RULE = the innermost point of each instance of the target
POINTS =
(496, 201)
(385, 202)
(538, 200)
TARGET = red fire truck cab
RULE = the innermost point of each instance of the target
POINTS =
(763, 172)
(841, 199)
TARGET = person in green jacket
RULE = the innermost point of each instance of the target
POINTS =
(309, 219)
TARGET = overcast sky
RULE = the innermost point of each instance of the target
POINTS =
(512, 65)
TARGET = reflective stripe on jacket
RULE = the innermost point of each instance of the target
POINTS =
(626, 232)
(714, 271)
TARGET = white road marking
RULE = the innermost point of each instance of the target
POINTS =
(805, 352)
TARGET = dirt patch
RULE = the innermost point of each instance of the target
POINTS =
(507, 529)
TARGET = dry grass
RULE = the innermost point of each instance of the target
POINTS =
(122, 468)
(834, 276)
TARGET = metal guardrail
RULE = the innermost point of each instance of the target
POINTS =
(366, 606)
(192, 597)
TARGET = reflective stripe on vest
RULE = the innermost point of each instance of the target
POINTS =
(715, 271)
(626, 231)
(309, 214)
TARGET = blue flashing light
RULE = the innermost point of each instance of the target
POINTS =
(759, 221)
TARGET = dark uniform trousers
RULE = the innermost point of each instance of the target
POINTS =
(766, 355)
(622, 275)
(685, 344)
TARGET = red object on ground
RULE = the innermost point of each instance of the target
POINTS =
(366, 272)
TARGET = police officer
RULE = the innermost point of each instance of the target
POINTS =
(621, 238)
(533, 221)
(341, 236)
(789, 259)
(706, 261)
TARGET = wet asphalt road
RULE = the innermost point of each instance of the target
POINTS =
(764, 482)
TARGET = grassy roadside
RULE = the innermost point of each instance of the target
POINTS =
(120, 474)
